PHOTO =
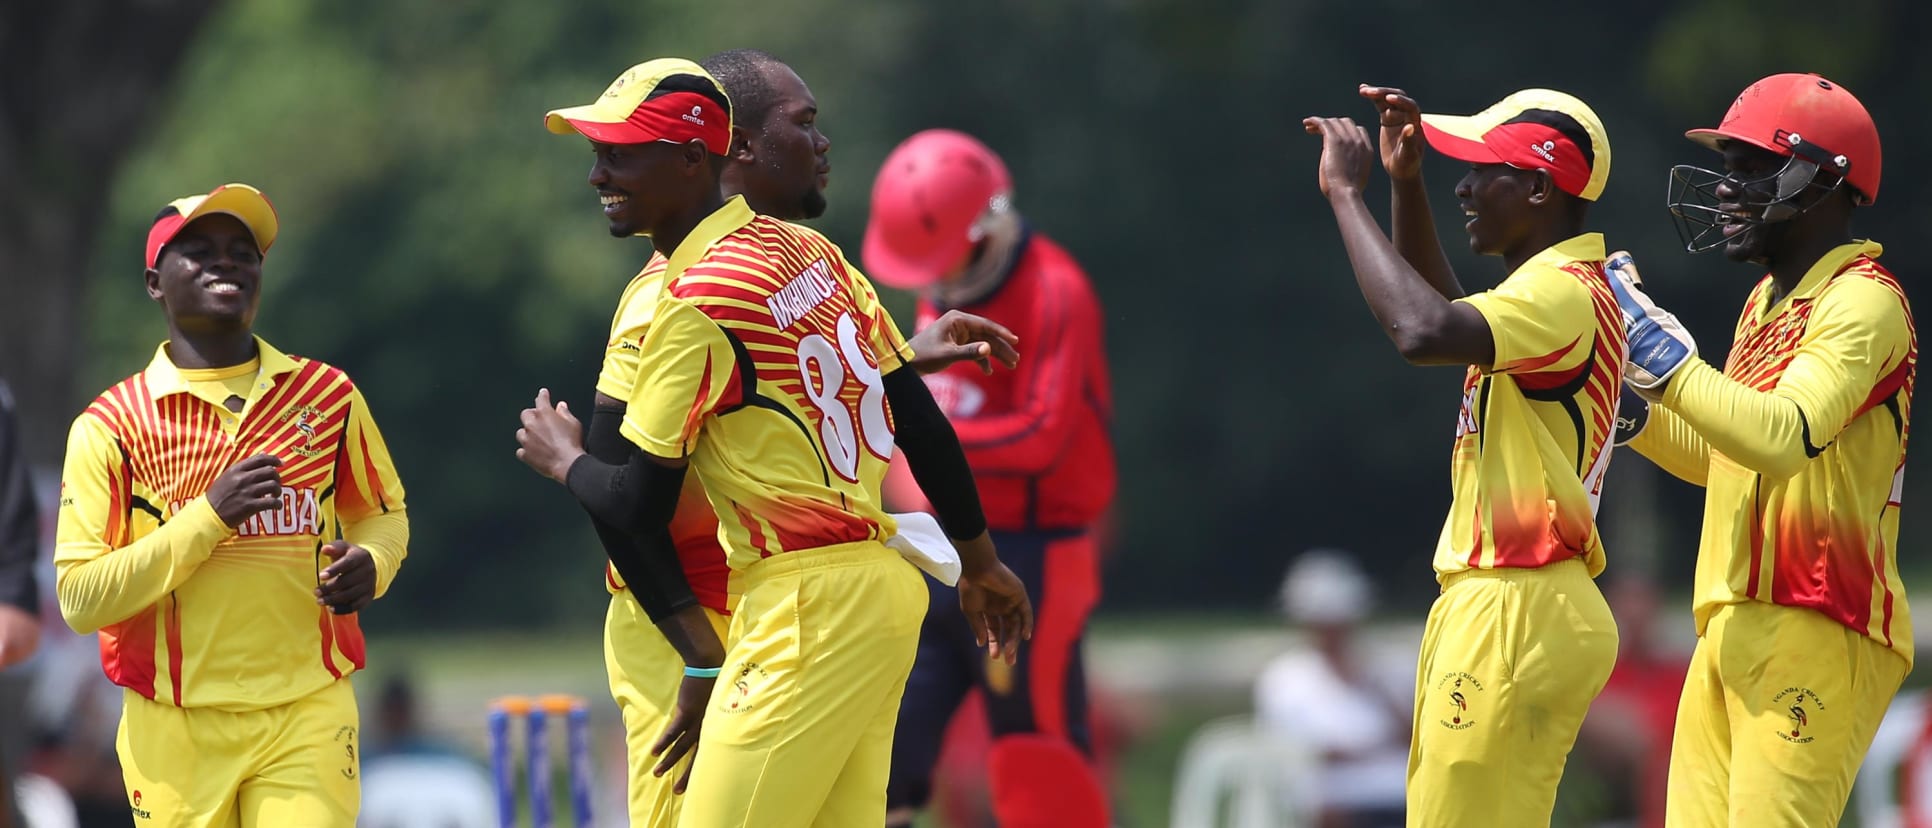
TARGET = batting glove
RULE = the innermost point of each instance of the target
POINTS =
(1659, 345)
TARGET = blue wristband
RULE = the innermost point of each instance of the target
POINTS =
(702, 672)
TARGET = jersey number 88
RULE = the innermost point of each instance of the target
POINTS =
(842, 426)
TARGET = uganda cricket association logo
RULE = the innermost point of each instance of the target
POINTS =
(1801, 706)
(740, 698)
(1458, 690)
(306, 419)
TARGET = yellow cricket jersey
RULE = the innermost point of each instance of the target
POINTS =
(764, 366)
(191, 612)
(1532, 437)
(694, 527)
(1800, 445)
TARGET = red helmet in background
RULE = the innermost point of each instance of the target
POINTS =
(1791, 113)
(927, 204)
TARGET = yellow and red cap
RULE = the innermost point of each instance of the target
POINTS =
(1534, 129)
(627, 114)
(245, 203)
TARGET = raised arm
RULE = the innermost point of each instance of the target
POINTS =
(1426, 328)
(1413, 227)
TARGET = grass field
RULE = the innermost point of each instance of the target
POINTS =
(1164, 677)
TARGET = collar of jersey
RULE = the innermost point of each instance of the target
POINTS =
(164, 378)
(1587, 247)
(721, 223)
(1831, 264)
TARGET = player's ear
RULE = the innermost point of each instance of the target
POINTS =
(1542, 187)
(696, 156)
(741, 149)
(153, 279)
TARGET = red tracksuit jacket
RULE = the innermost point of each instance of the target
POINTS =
(1038, 437)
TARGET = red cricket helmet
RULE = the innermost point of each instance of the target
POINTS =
(1788, 112)
(926, 206)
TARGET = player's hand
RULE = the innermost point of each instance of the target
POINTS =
(994, 601)
(957, 336)
(1659, 345)
(19, 635)
(348, 583)
(1401, 131)
(251, 486)
(550, 439)
(1346, 155)
(680, 737)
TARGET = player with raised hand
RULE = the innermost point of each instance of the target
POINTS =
(1520, 640)
(944, 223)
(778, 163)
(770, 368)
(1799, 443)
(223, 516)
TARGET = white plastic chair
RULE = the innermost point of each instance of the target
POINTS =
(1231, 761)
(43, 804)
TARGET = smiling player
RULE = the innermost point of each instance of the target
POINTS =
(223, 516)
(1520, 640)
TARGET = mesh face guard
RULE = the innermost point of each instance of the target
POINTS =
(1693, 199)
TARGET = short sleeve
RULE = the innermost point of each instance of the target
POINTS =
(627, 330)
(686, 372)
(1540, 318)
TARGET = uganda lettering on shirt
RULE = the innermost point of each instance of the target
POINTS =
(300, 514)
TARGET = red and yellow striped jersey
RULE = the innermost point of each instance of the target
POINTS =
(1800, 445)
(1532, 440)
(764, 365)
(694, 527)
(194, 613)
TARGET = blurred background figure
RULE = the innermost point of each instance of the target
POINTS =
(1039, 440)
(1625, 740)
(1346, 705)
(19, 597)
(413, 779)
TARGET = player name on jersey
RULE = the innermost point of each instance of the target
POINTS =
(301, 514)
(802, 293)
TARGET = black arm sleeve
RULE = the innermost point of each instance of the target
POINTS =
(630, 500)
(933, 452)
(19, 517)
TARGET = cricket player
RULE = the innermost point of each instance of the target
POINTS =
(771, 369)
(1799, 443)
(223, 516)
(943, 222)
(1520, 640)
(778, 162)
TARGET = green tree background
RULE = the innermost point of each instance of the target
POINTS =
(444, 249)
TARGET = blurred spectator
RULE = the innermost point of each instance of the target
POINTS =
(72, 714)
(1626, 737)
(413, 780)
(1347, 707)
(19, 597)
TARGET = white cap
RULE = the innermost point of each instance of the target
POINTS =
(1325, 586)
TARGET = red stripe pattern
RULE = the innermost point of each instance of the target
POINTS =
(239, 617)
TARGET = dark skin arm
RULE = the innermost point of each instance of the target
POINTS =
(1412, 226)
(1426, 328)
(550, 441)
(956, 336)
